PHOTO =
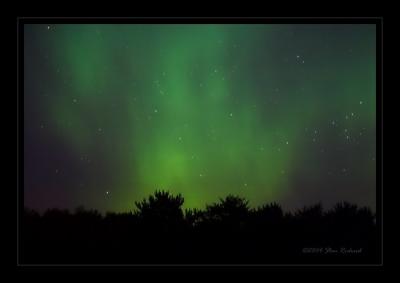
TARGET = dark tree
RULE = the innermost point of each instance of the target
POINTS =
(161, 210)
(229, 212)
(224, 232)
(269, 213)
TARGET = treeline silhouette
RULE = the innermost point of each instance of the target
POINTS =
(159, 231)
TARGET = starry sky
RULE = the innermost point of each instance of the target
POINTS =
(270, 112)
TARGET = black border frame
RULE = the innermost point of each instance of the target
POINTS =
(378, 21)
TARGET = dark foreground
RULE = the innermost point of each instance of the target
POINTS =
(228, 232)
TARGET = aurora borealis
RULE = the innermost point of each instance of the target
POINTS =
(275, 113)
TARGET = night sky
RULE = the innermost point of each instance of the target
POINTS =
(283, 113)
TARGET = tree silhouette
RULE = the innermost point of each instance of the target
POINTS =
(193, 217)
(162, 210)
(310, 213)
(231, 206)
(231, 212)
(269, 212)
(228, 231)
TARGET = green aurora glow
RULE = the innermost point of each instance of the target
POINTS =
(280, 113)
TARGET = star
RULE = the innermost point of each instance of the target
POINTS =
(107, 83)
